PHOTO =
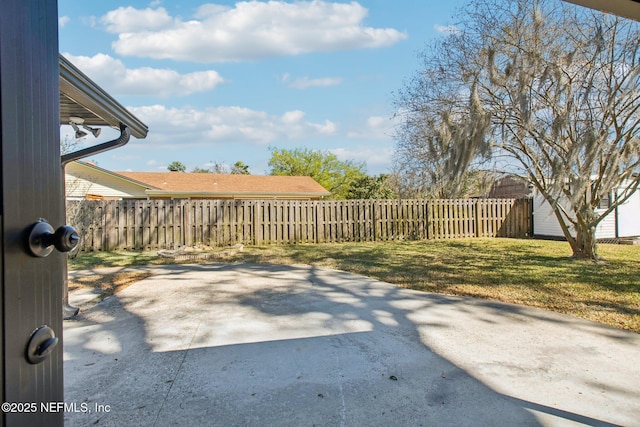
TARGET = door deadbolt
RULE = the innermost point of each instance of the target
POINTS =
(42, 238)
(41, 344)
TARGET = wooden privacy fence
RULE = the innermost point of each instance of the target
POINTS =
(169, 224)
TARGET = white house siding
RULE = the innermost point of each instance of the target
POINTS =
(607, 227)
(81, 181)
(629, 217)
(546, 224)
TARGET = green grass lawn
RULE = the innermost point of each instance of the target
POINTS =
(532, 272)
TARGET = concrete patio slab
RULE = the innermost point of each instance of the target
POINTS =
(256, 345)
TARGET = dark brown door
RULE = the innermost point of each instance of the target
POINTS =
(31, 189)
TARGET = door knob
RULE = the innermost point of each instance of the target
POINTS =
(41, 343)
(42, 238)
(65, 238)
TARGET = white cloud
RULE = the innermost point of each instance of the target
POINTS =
(375, 128)
(89, 21)
(114, 76)
(190, 126)
(129, 19)
(250, 30)
(305, 82)
(207, 10)
(291, 117)
(372, 155)
(63, 20)
(327, 128)
(446, 29)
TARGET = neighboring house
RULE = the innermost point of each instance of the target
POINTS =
(88, 181)
(623, 222)
(510, 187)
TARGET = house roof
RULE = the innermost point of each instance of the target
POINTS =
(94, 167)
(226, 184)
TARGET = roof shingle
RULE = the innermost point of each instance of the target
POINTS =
(228, 183)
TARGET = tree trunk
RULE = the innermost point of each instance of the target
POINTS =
(584, 245)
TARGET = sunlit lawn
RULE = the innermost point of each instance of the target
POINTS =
(531, 272)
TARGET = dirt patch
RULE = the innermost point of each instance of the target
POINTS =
(198, 253)
(108, 284)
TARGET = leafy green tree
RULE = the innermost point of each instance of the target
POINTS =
(239, 168)
(176, 167)
(333, 174)
(371, 187)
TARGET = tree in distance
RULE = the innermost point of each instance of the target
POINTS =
(176, 167)
(333, 174)
(371, 187)
(239, 168)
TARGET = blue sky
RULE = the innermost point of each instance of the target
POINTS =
(225, 81)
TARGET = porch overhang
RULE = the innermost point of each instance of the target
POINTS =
(625, 8)
(81, 97)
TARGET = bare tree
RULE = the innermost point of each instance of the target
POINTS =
(238, 168)
(68, 144)
(78, 208)
(428, 155)
(560, 87)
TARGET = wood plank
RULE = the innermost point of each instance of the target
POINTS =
(258, 223)
(153, 224)
(119, 225)
(245, 211)
(161, 226)
(109, 220)
(320, 225)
